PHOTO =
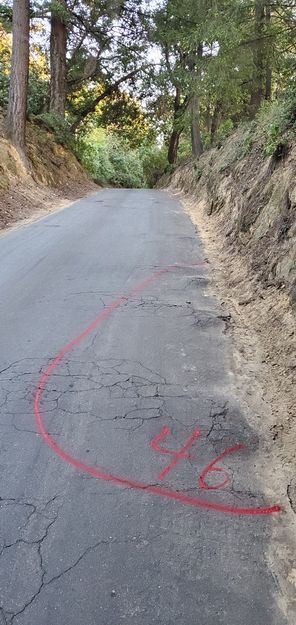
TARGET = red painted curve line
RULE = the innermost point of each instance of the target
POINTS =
(110, 477)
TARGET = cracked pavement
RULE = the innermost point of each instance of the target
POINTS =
(75, 549)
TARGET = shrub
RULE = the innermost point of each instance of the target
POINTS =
(274, 119)
(110, 160)
(154, 162)
(224, 131)
(37, 94)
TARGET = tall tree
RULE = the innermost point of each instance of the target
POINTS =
(58, 58)
(17, 103)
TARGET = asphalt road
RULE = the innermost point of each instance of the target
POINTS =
(99, 524)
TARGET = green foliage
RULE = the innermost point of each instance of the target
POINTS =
(110, 160)
(59, 126)
(275, 119)
(123, 116)
(239, 145)
(38, 79)
(6, 15)
(4, 89)
(214, 65)
(230, 55)
(5, 56)
(224, 131)
(128, 170)
(154, 162)
(185, 146)
(37, 94)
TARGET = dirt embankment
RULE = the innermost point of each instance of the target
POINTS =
(244, 205)
(56, 177)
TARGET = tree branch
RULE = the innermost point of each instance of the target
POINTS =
(90, 108)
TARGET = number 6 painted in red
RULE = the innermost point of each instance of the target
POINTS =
(211, 468)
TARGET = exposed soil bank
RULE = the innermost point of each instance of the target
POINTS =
(56, 177)
(244, 208)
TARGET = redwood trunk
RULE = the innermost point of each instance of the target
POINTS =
(58, 62)
(17, 104)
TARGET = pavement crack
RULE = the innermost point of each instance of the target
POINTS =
(291, 497)
(215, 416)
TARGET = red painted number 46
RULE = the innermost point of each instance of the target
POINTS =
(183, 453)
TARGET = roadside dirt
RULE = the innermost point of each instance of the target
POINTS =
(55, 180)
(262, 326)
(26, 201)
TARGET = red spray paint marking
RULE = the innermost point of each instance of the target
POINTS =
(111, 477)
(212, 468)
(182, 454)
(178, 455)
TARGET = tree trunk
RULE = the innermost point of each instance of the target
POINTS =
(177, 130)
(17, 103)
(196, 142)
(258, 59)
(58, 51)
(173, 146)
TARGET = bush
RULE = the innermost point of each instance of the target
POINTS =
(224, 131)
(128, 168)
(37, 94)
(110, 160)
(154, 162)
(4, 89)
(274, 119)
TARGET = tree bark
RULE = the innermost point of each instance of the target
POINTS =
(17, 103)
(173, 146)
(177, 130)
(58, 61)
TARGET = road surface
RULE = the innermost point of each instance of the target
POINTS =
(128, 485)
